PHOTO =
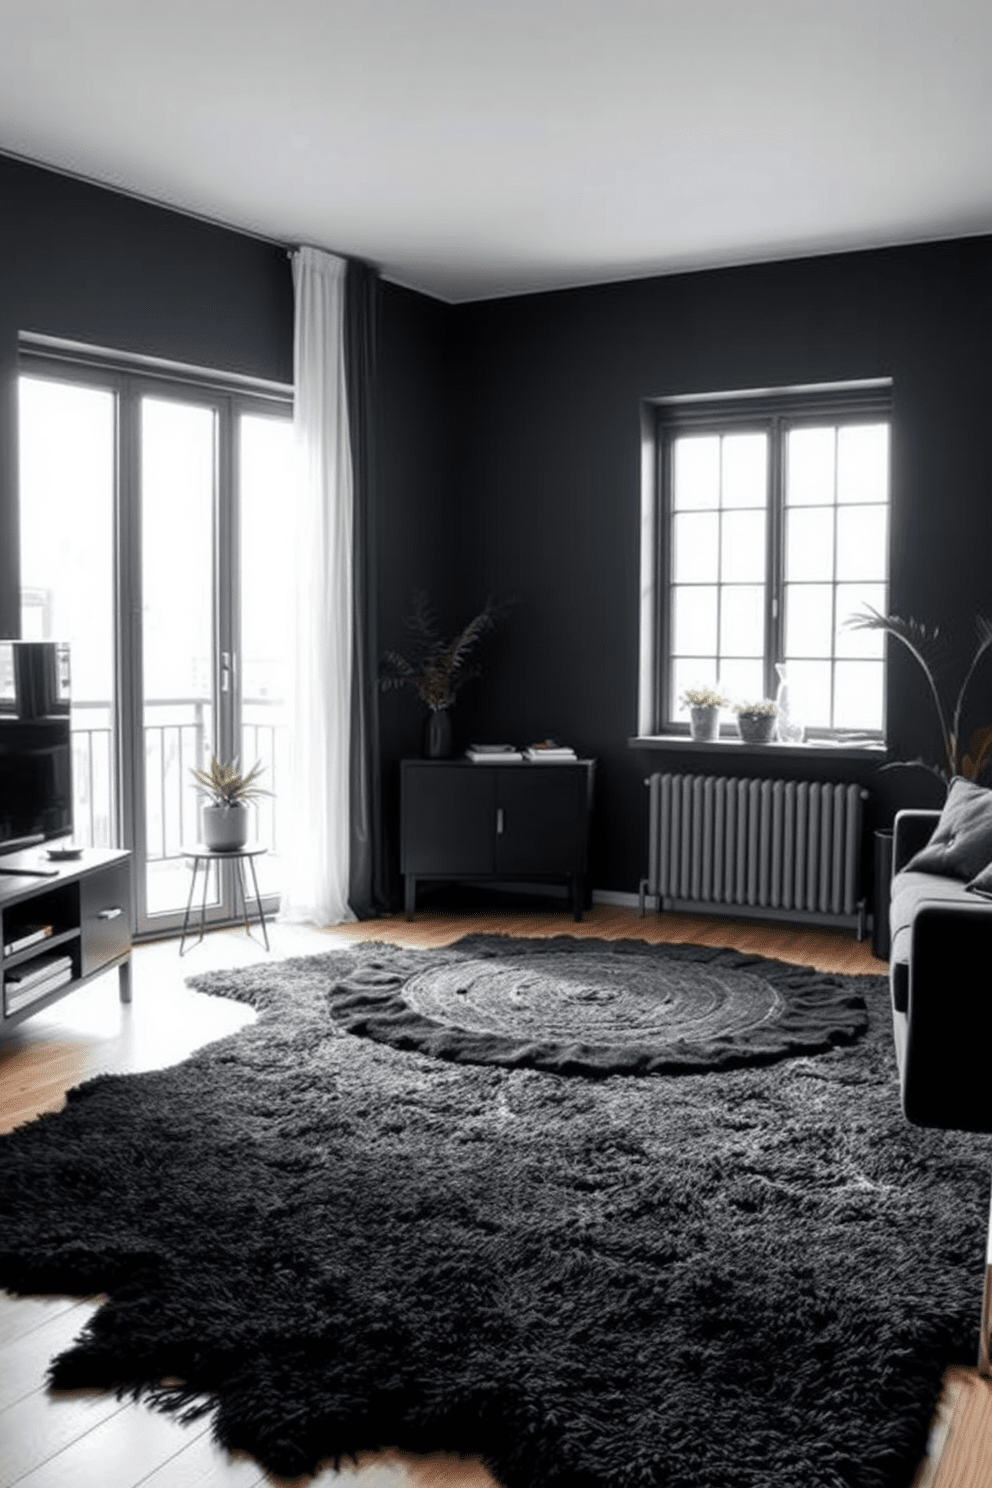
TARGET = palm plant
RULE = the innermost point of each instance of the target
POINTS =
(225, 785)
(435, 668)
(926, 646)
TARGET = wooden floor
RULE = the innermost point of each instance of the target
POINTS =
(84, 1438)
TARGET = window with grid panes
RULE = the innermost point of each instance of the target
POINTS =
(774, 521)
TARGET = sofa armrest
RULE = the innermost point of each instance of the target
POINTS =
(949, 1018)
(911, 830)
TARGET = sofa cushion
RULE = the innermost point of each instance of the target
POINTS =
(961, 845)
(909, 890)
(982, 884)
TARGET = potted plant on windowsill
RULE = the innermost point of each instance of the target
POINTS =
(704, 706)
(228, 792)
(756, 721)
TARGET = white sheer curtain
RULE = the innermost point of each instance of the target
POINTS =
(315, 885)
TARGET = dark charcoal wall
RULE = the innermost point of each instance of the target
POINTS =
(419, 537)
(550, 387)
(508, 446)
(90, 265)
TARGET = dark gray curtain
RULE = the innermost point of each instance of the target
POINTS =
(367, 886)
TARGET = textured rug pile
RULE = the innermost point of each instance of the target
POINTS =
(742, 1277)
(586, 1007)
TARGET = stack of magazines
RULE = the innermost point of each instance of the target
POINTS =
(550, 752)
(25, 983)
(27, 935)
(493, 754)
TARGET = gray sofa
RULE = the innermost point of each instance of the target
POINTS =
(940, 973)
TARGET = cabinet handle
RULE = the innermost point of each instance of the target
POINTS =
(110, 914)
(499, 821)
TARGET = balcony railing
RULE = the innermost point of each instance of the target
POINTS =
(173, 746)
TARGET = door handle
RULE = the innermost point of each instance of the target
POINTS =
(110, 914)
(499, 821)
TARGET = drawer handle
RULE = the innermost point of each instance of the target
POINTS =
(110, 914)
(499, 821)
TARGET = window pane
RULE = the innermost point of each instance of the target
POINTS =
(265, 455)
(694, 620)
(809, 684)
(834, 492)
(67, 478)
(809, 544)
(695, 536)
(696, 482)
(743, 547)
(863, 463)
(851, 600)
(745, 470)
(809, 620)
(742, 681)
(178, 462)
(742, 620)
(861, 542)
(858, 692)
(810, 467)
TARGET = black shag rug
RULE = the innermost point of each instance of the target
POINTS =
(749, 1277)
(597, 1007)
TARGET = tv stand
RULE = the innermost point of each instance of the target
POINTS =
(71, 924)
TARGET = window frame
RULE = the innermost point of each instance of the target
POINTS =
(775, 413)
(128, 379)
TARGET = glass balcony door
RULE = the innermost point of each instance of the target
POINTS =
(265, 621)
(68, 483)
(183, 720)
(149, 542)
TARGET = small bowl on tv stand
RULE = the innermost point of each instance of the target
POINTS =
(64, 852)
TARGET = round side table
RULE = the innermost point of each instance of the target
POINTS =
(199, 853)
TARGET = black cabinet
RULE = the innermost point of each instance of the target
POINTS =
(61, 926)
(462, 820)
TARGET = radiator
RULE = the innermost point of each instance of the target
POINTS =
(774, 848)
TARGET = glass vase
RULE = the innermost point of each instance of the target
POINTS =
(788, 730)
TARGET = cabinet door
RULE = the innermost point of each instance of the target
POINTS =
(105, 916)
(544, 820)
(449, 820)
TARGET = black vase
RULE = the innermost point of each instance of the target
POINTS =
(437, 734)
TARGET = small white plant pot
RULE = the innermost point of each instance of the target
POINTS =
(704, 724)
(225, 828)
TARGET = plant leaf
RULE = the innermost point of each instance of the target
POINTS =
(979, 752)
(917, 764)
(225, 784)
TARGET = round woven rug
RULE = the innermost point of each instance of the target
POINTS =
(596, 1007)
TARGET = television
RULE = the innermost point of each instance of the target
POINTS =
(35, 743)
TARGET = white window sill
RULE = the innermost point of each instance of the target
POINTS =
(813, 749)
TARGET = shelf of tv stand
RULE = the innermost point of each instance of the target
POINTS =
(88, 903)
(41, 947)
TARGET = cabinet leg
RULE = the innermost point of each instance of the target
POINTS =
(578, 894)
(124, 980)
(409, 895)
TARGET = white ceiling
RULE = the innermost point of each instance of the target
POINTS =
(482, 147)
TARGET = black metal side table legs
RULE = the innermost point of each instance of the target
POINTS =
(236, 856)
